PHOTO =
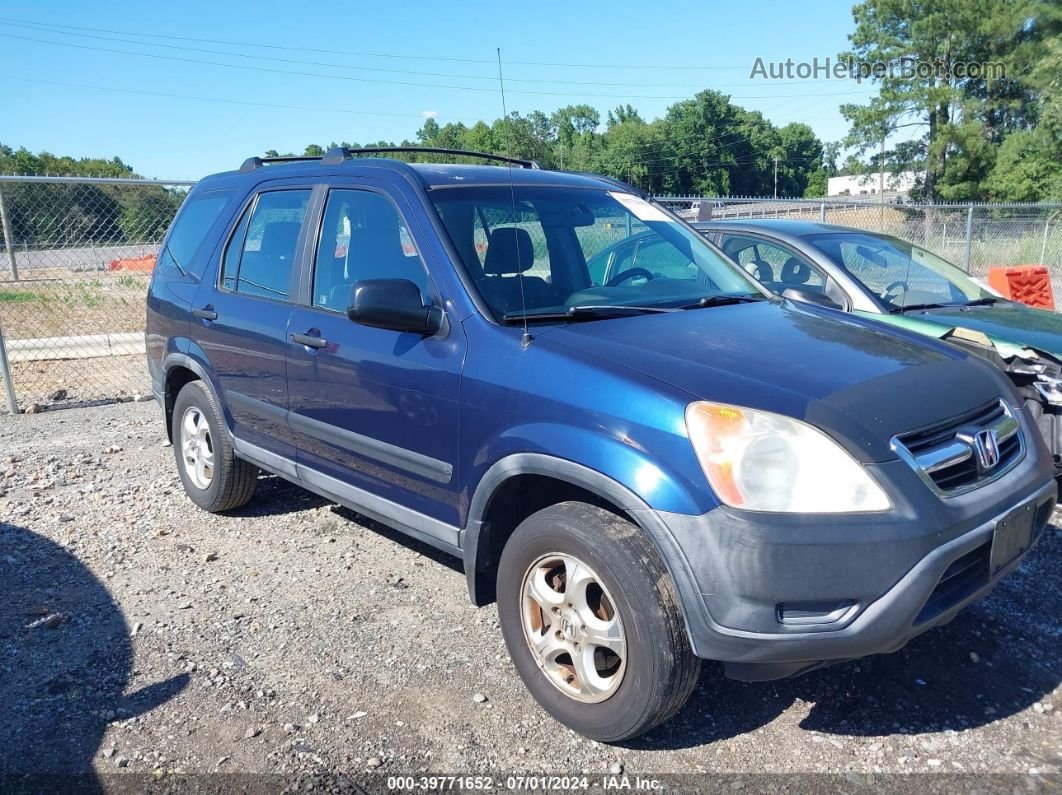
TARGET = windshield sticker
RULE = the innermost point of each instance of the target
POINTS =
(640, 208)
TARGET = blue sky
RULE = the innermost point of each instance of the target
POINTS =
(216, 82)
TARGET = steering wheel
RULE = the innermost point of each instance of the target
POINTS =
(627, 275)
(887, 292)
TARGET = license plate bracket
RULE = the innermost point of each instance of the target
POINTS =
(1012, 536)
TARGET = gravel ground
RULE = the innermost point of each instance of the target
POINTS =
(141, 634)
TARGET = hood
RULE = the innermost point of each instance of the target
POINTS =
(859, 381)
(1009, 323)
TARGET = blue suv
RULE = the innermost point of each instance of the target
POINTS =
(668, 465)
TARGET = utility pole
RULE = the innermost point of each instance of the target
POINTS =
(776, 176)
(881, 181)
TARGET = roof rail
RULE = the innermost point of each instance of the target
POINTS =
(251, 163)
(338, 154)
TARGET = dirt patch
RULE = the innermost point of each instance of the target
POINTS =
(69, 382)
(63, 304)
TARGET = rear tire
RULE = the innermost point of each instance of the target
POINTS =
(213, 477)
(608, 655)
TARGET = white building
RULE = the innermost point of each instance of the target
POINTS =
(870, 184)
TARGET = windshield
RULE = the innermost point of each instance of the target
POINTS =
(546, 250)
(899, 274)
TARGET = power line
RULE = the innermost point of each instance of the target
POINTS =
(223, 101)
(55, 30)
(351, 78)
(399, 56)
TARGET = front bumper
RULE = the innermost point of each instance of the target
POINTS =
(773, 595)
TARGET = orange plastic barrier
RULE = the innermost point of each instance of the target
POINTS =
(1029, 284)
(145, 263)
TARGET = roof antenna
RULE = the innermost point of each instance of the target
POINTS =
(526, 339)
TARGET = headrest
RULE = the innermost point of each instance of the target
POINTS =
(795, 271)
(761, 270)
(279, 239)
(509, 251)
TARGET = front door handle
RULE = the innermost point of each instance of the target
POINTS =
(309, 340)
(206, 313)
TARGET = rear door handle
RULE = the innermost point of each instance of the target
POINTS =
(309, 340)
(206, 313)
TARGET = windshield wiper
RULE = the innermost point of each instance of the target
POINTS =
(724, 300)
(988, 300)
(585, 312)
(896, 310)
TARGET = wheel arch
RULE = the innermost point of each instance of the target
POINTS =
(178, 369)
(484, 536)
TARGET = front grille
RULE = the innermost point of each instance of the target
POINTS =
(962, 578)
(966, 451)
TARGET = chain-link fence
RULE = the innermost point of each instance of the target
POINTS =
(975, 237)
(76, 256)
(75, 261)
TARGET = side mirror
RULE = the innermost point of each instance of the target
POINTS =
(393, 304)
(810, 297)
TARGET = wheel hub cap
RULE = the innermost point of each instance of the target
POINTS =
(197, 448)
(573, 628)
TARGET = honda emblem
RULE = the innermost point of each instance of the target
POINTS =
(986, 448)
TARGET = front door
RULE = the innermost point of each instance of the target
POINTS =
(374, 408)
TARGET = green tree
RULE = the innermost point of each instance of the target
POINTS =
(959, 118)
(705, 144)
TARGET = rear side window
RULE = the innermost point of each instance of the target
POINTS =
(261, 253)
(197, 216)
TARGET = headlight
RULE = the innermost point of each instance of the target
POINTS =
(758, 461)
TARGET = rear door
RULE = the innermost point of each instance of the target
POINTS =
(240, 318)
(374, 409)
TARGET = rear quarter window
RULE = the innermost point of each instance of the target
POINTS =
(189, 230)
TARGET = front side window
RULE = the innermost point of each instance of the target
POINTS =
(898, 273)
(775, 266)
(362, 237)
(260, 255)
(548, 249)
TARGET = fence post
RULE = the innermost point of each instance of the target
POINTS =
(9, 242)
(969, 238)
(5, 373)
(1043, 247)
(822, 212)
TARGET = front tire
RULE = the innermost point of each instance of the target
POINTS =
(592, 622)
(213, 477)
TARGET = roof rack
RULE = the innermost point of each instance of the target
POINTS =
(338, 154)
(251, 163)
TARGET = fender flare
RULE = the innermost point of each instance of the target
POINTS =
(178, 359)
(475, 544)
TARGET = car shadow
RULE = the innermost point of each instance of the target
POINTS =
(66, 661)
(275, 496)
(997, 658)
(397, 536)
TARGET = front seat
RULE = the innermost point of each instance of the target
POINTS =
(795, 272)
(510, 253)
(761, 270)
(375, 252)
